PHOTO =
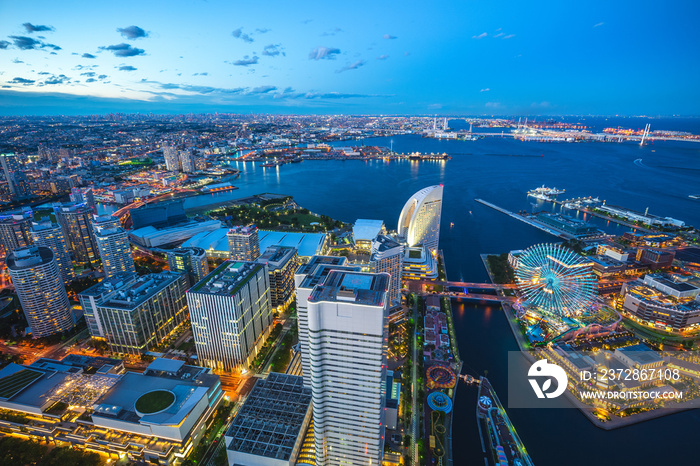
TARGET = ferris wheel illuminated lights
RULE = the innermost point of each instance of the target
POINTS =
(555, 279)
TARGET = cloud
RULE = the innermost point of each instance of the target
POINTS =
(239, 34)
(597, 25)
(382, 57)
(201, 74)
(25, 43)
(485, 90)
(102, 76)
(22, 81)
(4, 44)
(124, 50)
(43, 72)
(500, 34)
(51, 46)
(352, 66)
(132, 32)
(17, 60)
(273, 50)
(480, 36)
(492, 105)
(246, 61)
(37, 28)
(509, 36)
(543, 104)
(90, 80)
(88, 55)
(127, 68)
(263, 89)
(332, 32)
(389, 36)
(262, 30)
(60, 79)
(89, 74)
(323, 53)
(196, 89)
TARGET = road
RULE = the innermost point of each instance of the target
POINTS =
(415, 414)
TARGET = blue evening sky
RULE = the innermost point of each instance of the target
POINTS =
(392, 57)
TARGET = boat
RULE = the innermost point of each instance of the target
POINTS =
(694, 196)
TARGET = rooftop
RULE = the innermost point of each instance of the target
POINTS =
(276, 256)
(25, 258)
(641, 354)
(345, 286)
(367, 230)
(243, 230)
(227, 278)
(307, 244)
(315, 261)
(132, 294)
(666, 281)
(272, 417)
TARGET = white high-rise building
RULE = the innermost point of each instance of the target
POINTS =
(187, 161)
(50, 235)
(172, 161)
(306, 278)
(113, 245)
(348, 335)
(419, 222)
(231, 314)
(38, 284)
(243, 243)
(387, 256)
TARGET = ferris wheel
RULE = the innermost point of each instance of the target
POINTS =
(555, 279)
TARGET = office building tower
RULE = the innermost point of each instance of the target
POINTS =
(135, 314)
(15, 230)
(187, 161)
(83, 196)
(172, 161)
(281, 262)
(348, 335)
(76, 222)
(14, 174)
(231, 314)
(96, 295)
(419, 222)
(50, 235)
(306, 278)
(387, 256)
(243, 243)
(113, 245)
(190, 261)
(38, 284)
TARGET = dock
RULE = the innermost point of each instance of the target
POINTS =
(529, 221)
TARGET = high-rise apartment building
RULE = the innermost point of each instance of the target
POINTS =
(387, 256)
(190, 261)
(348, 335)
(38, 284)
(172, 161)
(231, 314)
(50, 235)
(14, 174)
(187, 161)
(76, 222)
(281, 262)
(243, 243)
(113, 245)
(15, 230)
(134, 314)
(419, 222)
(83, 195)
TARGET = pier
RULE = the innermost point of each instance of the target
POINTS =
(529, 221)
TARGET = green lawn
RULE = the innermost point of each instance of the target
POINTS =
(154, 401)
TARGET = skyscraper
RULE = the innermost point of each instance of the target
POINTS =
(38, 283)
(49, 235)
(113, 245)
(190, 261)
(419, 222)
(76, 222)
(281, 262)
(231, 314)
(243, 243)
(14, 174)
(172, 161)
(348, 334)
(134, 314)
(83, 195)
(387, 256)
(15, 231)
(187, 161)
(306, 278)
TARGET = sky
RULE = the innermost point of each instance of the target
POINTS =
(486, 57)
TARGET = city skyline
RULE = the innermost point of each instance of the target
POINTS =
(466, 58)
